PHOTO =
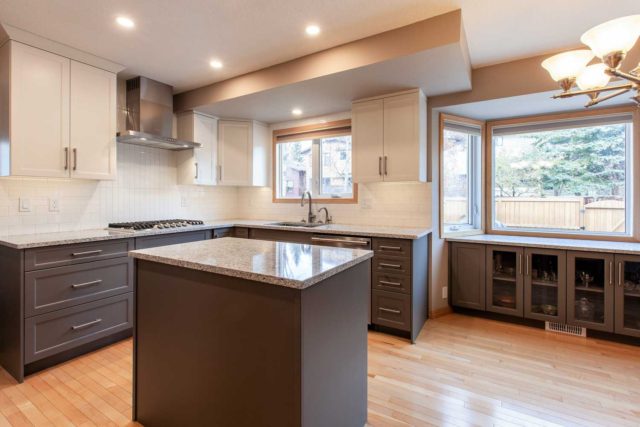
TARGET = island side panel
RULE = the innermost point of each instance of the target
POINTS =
(334, 349)
(215, 350)
(12, 312)
(420, 286)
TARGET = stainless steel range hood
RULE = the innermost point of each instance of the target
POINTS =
(149, 116)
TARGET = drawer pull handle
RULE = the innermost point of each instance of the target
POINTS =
(384, 282)
(389, 310)
(86, 325)
(384, 264)
(85, 284)
(390, 248)
(85, 253)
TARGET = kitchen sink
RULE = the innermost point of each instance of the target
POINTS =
(298, 224)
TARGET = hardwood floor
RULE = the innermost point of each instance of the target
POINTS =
(462, 371)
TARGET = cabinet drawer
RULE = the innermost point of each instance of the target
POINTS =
(171, 239)
(57, 256)
(391, 309)
(52, 333)
(56, 288)
(224, 232)
(391, 265)
(392, 247)
(392, 282)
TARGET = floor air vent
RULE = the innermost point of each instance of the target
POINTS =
(576, 331)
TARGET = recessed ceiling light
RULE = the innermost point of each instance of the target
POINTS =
(296, 111)
(312, 30)
(123, 21)
(215, 64)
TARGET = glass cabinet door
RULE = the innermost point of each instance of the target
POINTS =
(627, 306)
(504, 281)
(590, 286)
(545, 284)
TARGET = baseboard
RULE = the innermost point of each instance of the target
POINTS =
(434, 314)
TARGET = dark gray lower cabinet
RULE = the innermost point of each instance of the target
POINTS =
(545, 284)
(590, 290)
(627, 295)
(467, 272)
(172, 239)
(505, 281)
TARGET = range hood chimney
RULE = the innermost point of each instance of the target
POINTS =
(150, 116)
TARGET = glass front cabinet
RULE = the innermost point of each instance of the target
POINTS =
(545, 284)
(627, 295)
(504, 280)
(590, 290)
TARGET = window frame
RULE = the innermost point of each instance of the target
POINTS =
(632, 172)
(476, 169)
(310, 132)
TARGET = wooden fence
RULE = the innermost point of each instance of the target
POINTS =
(565, 213)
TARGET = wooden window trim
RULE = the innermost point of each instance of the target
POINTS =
(444, 117)
(308, 131)
(635, 167)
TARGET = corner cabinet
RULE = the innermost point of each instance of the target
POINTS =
(197, 165)
(243, 153)
(58, 116)
(390, 138)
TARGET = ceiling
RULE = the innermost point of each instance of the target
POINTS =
(174, 40)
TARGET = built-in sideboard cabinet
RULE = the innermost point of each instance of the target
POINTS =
(389, 135)
(596, 290)
(57, 116)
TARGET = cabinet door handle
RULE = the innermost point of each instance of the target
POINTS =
(611, 273)
(380, 166)
(66, 158)
(384, 282)
(85, 253)
(526, 265)
(86, 325)
(385, 165)
(390, 248)
(75, 158)
(196, 170)
(85, 284)
(219, 172)
(620, 273)
(519, 263)
(384, 264)
(389, 310)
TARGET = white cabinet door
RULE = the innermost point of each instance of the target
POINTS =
(235, 152)
(261, 155)
(403, 149)
(93, 122)
(197, 165)
(367, 135)
(39, 108)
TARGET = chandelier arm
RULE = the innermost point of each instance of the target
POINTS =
(623, 75)
(605, 98)
(626, 87)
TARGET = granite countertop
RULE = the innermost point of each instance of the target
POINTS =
(26, 241)
(292, 265)
(552, 243)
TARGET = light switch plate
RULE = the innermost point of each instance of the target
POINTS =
(54, 205)
(24, 205)
(366, 203)
(445, 292)
(184, 202)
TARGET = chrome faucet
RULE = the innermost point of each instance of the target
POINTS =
(327, 217)
(310, 217)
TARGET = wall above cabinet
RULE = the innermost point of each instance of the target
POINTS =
(57, 115)
(390, 138)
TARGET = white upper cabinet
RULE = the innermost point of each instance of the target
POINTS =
(243, 153)
(197, 165)
(390, 138)
(93, 122)
(58, 116)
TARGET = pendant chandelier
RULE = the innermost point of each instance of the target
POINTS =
(610, 42)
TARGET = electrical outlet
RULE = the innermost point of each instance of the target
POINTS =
(184, 202)
(54, 205)
(24, 205)
(445, 292)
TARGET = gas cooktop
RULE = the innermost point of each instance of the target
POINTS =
(163, 224)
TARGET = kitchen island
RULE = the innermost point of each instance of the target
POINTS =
(249, 333)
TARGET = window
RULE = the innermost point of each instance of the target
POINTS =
(461, 174)
(571, 176)
(316, 159)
